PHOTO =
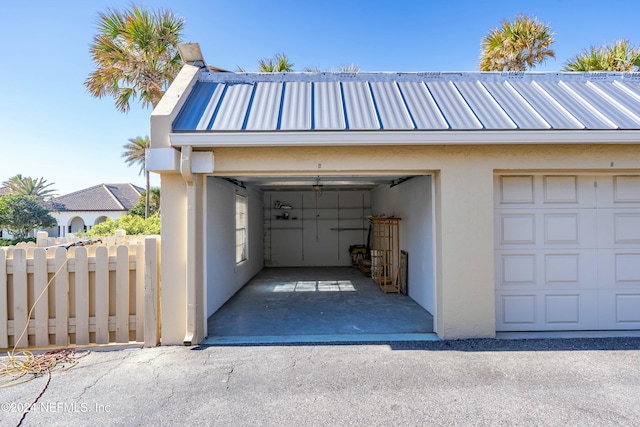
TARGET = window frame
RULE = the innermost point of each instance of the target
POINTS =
(241, 226)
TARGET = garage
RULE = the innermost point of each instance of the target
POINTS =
(518, 193)
(299, 232)
(567, 251)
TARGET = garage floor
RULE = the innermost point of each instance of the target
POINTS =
(338, 303)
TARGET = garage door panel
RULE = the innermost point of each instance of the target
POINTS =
(570, 270)
(546, 270)
(618, 228)
(516, 269)
(568, 310)
(544, 310)
(516, 228)
(568, 191)
(517, 311)
(619, 269)
(544, 190)
(618, 191)
(564, 227)
(515, 190)
(561, 228)
(619, 309)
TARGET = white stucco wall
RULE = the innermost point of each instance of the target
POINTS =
(223, 277)
(90, 218)
(412, 201)
(463, 184)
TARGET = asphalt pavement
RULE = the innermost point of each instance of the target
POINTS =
(554, 382)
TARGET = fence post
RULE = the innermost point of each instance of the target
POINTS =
(122, 294)
(102, 295)
(41, 295)
(120, 236)
(140, 272)
(151, 300)
(62, 297)
(4, 307)
(42, 238)
(82, 296)
(20, 332)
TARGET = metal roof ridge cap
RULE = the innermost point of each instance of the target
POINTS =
(253, 77)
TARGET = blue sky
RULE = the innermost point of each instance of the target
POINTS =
(52, 128)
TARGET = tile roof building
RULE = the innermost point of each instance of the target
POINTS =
(80, 210)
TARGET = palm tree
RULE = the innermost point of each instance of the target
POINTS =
(278, 64)
(517, 46)
(135, 154)
(620, 56)
(28, 186)
(136, 55)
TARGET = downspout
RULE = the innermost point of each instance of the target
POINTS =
(190, 278)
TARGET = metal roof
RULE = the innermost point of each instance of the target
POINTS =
(473, 101)
(102, 197)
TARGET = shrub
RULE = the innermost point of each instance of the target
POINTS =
(132, 224)
(11, 242)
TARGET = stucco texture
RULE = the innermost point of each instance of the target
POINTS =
(463, 177)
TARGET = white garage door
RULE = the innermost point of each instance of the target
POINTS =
(567, 252)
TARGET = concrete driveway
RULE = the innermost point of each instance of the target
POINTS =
(470, 382)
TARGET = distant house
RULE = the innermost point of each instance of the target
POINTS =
(81, 210)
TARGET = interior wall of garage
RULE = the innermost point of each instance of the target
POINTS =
(223, 277)
(412, 201)
(316, 229)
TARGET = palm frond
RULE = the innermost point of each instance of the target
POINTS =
(516, 46)
(28, 186)
(135, 55)
(620, 56)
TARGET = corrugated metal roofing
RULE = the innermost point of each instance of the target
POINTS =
(296, 107)
(410, 101)
(328, 110)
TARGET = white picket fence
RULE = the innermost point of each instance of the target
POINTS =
(76, 292)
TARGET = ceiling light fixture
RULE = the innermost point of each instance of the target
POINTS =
(317, 187)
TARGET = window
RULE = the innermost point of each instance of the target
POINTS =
(241, 228)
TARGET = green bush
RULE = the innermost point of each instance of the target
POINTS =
(131, 224)
(11, 242)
